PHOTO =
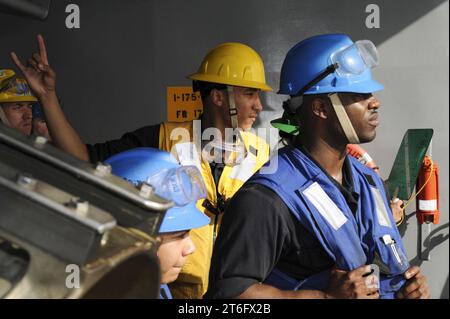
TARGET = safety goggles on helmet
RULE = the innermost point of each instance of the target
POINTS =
(355, 59)
(349, 61)
(181, 185)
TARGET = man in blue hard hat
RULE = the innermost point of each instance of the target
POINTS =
(181, 184)
(321, 225)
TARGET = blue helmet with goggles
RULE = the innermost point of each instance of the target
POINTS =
(181, 184)
(326, 64)
(329, 63)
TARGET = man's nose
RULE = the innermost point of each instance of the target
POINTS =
(27, 114)
(258, 104)
(374, 103)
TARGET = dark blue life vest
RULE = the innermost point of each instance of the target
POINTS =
(368, 237)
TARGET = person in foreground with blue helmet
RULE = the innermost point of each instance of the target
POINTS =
(181, 184)
(320, 226)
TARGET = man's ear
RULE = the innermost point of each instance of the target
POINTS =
(217, 97)
(319, 108)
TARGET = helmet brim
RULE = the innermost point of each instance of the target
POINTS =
(183, 218)
(369, 86)
(13, 99)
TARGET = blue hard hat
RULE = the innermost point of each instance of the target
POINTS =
(171, 181)
(37, 111)
(311, 57)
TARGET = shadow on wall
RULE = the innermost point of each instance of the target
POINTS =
(395, 16)
(436, 237)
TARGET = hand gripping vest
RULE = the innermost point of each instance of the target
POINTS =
(369, 236)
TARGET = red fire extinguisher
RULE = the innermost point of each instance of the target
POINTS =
(427, 200)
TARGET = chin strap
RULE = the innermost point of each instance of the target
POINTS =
(237, 141)
(232, 109)
(345, 122)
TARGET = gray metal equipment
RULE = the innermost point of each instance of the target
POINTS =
(34, 8)
(69, 229)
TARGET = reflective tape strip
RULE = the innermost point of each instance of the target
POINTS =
(326, 207)
(188, 155)
(366, 158)
(382, 213)
(428, 205)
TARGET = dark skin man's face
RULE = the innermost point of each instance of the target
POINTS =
(362, 109)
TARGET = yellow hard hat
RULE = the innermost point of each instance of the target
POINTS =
(5, 76)
(16, 90)
(233, 64)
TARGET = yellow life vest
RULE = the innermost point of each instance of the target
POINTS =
(179, 139)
